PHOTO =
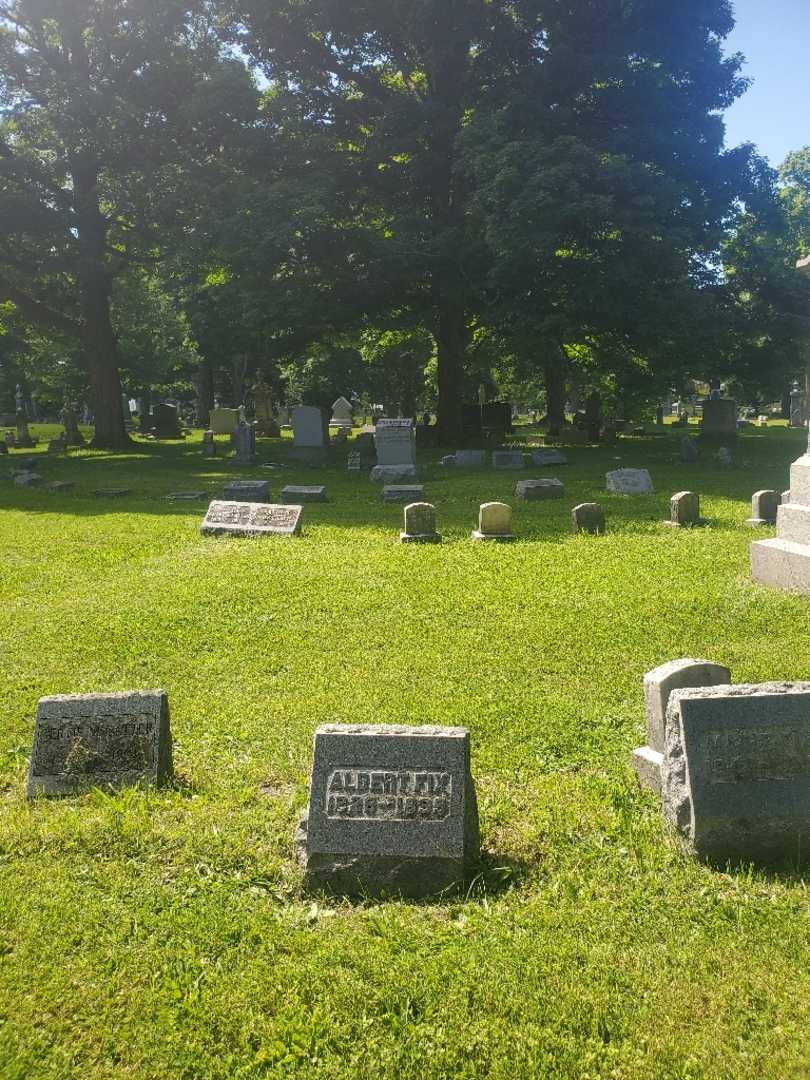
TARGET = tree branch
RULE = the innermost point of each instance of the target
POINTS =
(37, 312)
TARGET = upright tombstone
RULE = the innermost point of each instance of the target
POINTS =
(248, 491)
(266, 425)
(420, 525)
(719, 418)
(70, 419)
(724, 457)
(395, 443)
(245, 444)
(86, 741)
(166, 422)
(251, 519)
(310, 435)
(224, 421)
(764, 507)
(685, 511)
(342, 414)
(209, 446)
(392, 811)
(736, 772)
(24, 440)
(589, 518)
(798, 407)
(353, 461)
(508, 459)
(658, 685)
(494, 523)
(470, 459)
(58, 446)
(690, 453)
(537, 490)
(629, 482)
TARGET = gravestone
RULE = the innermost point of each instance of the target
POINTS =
(310, 435)
(395, 443)
(186, 496)
(494, 523)
(470, 459)
(341, 414)
(266, 425)
(224, 421)
(3, 446)
(209, 446)
(297, 493)
(402, 493)
(719, 418)
(589, 518)
(548, 457)
(629, 482)
(353, 462)
(420, 525)
(508, 459)
(245, 444)
(10, 440)
(723, 457)
(58, 446)
(60, 485)
(690, 453)
(166, 422)
(251, 519)
(25, 478)
(86, 741)
(448, 461)
(247, 491)
(762, 421)
(111, 493)
(736, 772)
(784, 562)
(764, 507)
(685, 511)
(23, 439)
(536, 490)
(70, 419)
(390, 474)
(658, 685)
(392, 811)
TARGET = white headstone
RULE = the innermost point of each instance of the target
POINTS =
(308, 427)
(395, 441)
(630, 482)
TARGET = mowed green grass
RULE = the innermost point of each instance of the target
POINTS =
(165, 934)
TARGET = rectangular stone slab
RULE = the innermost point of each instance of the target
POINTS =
(392, 810)
(251, 519)
(249, 491)
(736, 774)
(296, 493)
(100, 740)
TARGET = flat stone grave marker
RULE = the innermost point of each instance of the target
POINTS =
(508, 459)
(685, 511)
(251, 519)
(60, 485)
(658, 686)
(494, 523)
(549, 457)
(298, 493)
(27, 479)
(389, 474)
(589, 518)
(248, 491)
(186, 496)
(736, 773)
(420, 525)
(84, 741)
(392, 811)
(111, 493)
(535, 490)
(470, 459)
(764, 507)
(397, 493)
(629, 482)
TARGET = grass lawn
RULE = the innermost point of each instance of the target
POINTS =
(165, 934)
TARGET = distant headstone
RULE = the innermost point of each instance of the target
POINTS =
(353, 461)
(762, 421)
(390, 474)
(224, 421)
(658, 685)
(420, 525)
(266, 425)
(298, 493)
(111, 493)
(70, 419)
(690, 453)
(685, 510)
(508, 459)
(245, 444)
(494, 523)
(548, 457)
(186, 496)
(392, 811)
(309, 430)
(247, 491)
(395, 442)
(470, 459)
(719, 418)
(402, 493)
(251, 519)
(24, 440)
(166, 422)
(86, 741)
(10, 440)
(448, 461)
(3, 447)
(26, 478)
(209, 446)
(60, 485)
(764, 507)
(341, 414)
(589, 518)
(58, 446)
(629, 482)
(535, 490)
(736, 772)
(723, 456)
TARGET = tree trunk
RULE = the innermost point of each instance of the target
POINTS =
(554, 373)
(95, 286)
(203, 381)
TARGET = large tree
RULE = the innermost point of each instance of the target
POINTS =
(111, 111)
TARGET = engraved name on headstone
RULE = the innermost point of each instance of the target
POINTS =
(100, 740)
(251, 519)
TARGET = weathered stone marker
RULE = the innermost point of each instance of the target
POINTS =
(589, 518)
(209, 446)
(549, 457)
(535, 490)
(629, 482)
(395, 442)
(420, 525)
(251, 519)
(658, 685)
(685, 511)
(244, 439)
(784, 562)
(470, 459)
(690, 452)
(494, 523)
(764, 507)
(100, 740)
(392, 811)
(398, 493)
(508, 459)
(736, 775)
(249, 491)
(297, 493)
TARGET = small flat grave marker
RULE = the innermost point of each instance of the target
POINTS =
(248, 491)
(548, 457)
(398, 493)
(186, 496)
(392, 811)
(111, 493)
(536, 490)
(508, 459)
(251, 519)
(83, 741)
(297, 493)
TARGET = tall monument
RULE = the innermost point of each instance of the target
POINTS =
(784, 563)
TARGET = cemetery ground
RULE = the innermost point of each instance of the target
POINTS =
(165, 933)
